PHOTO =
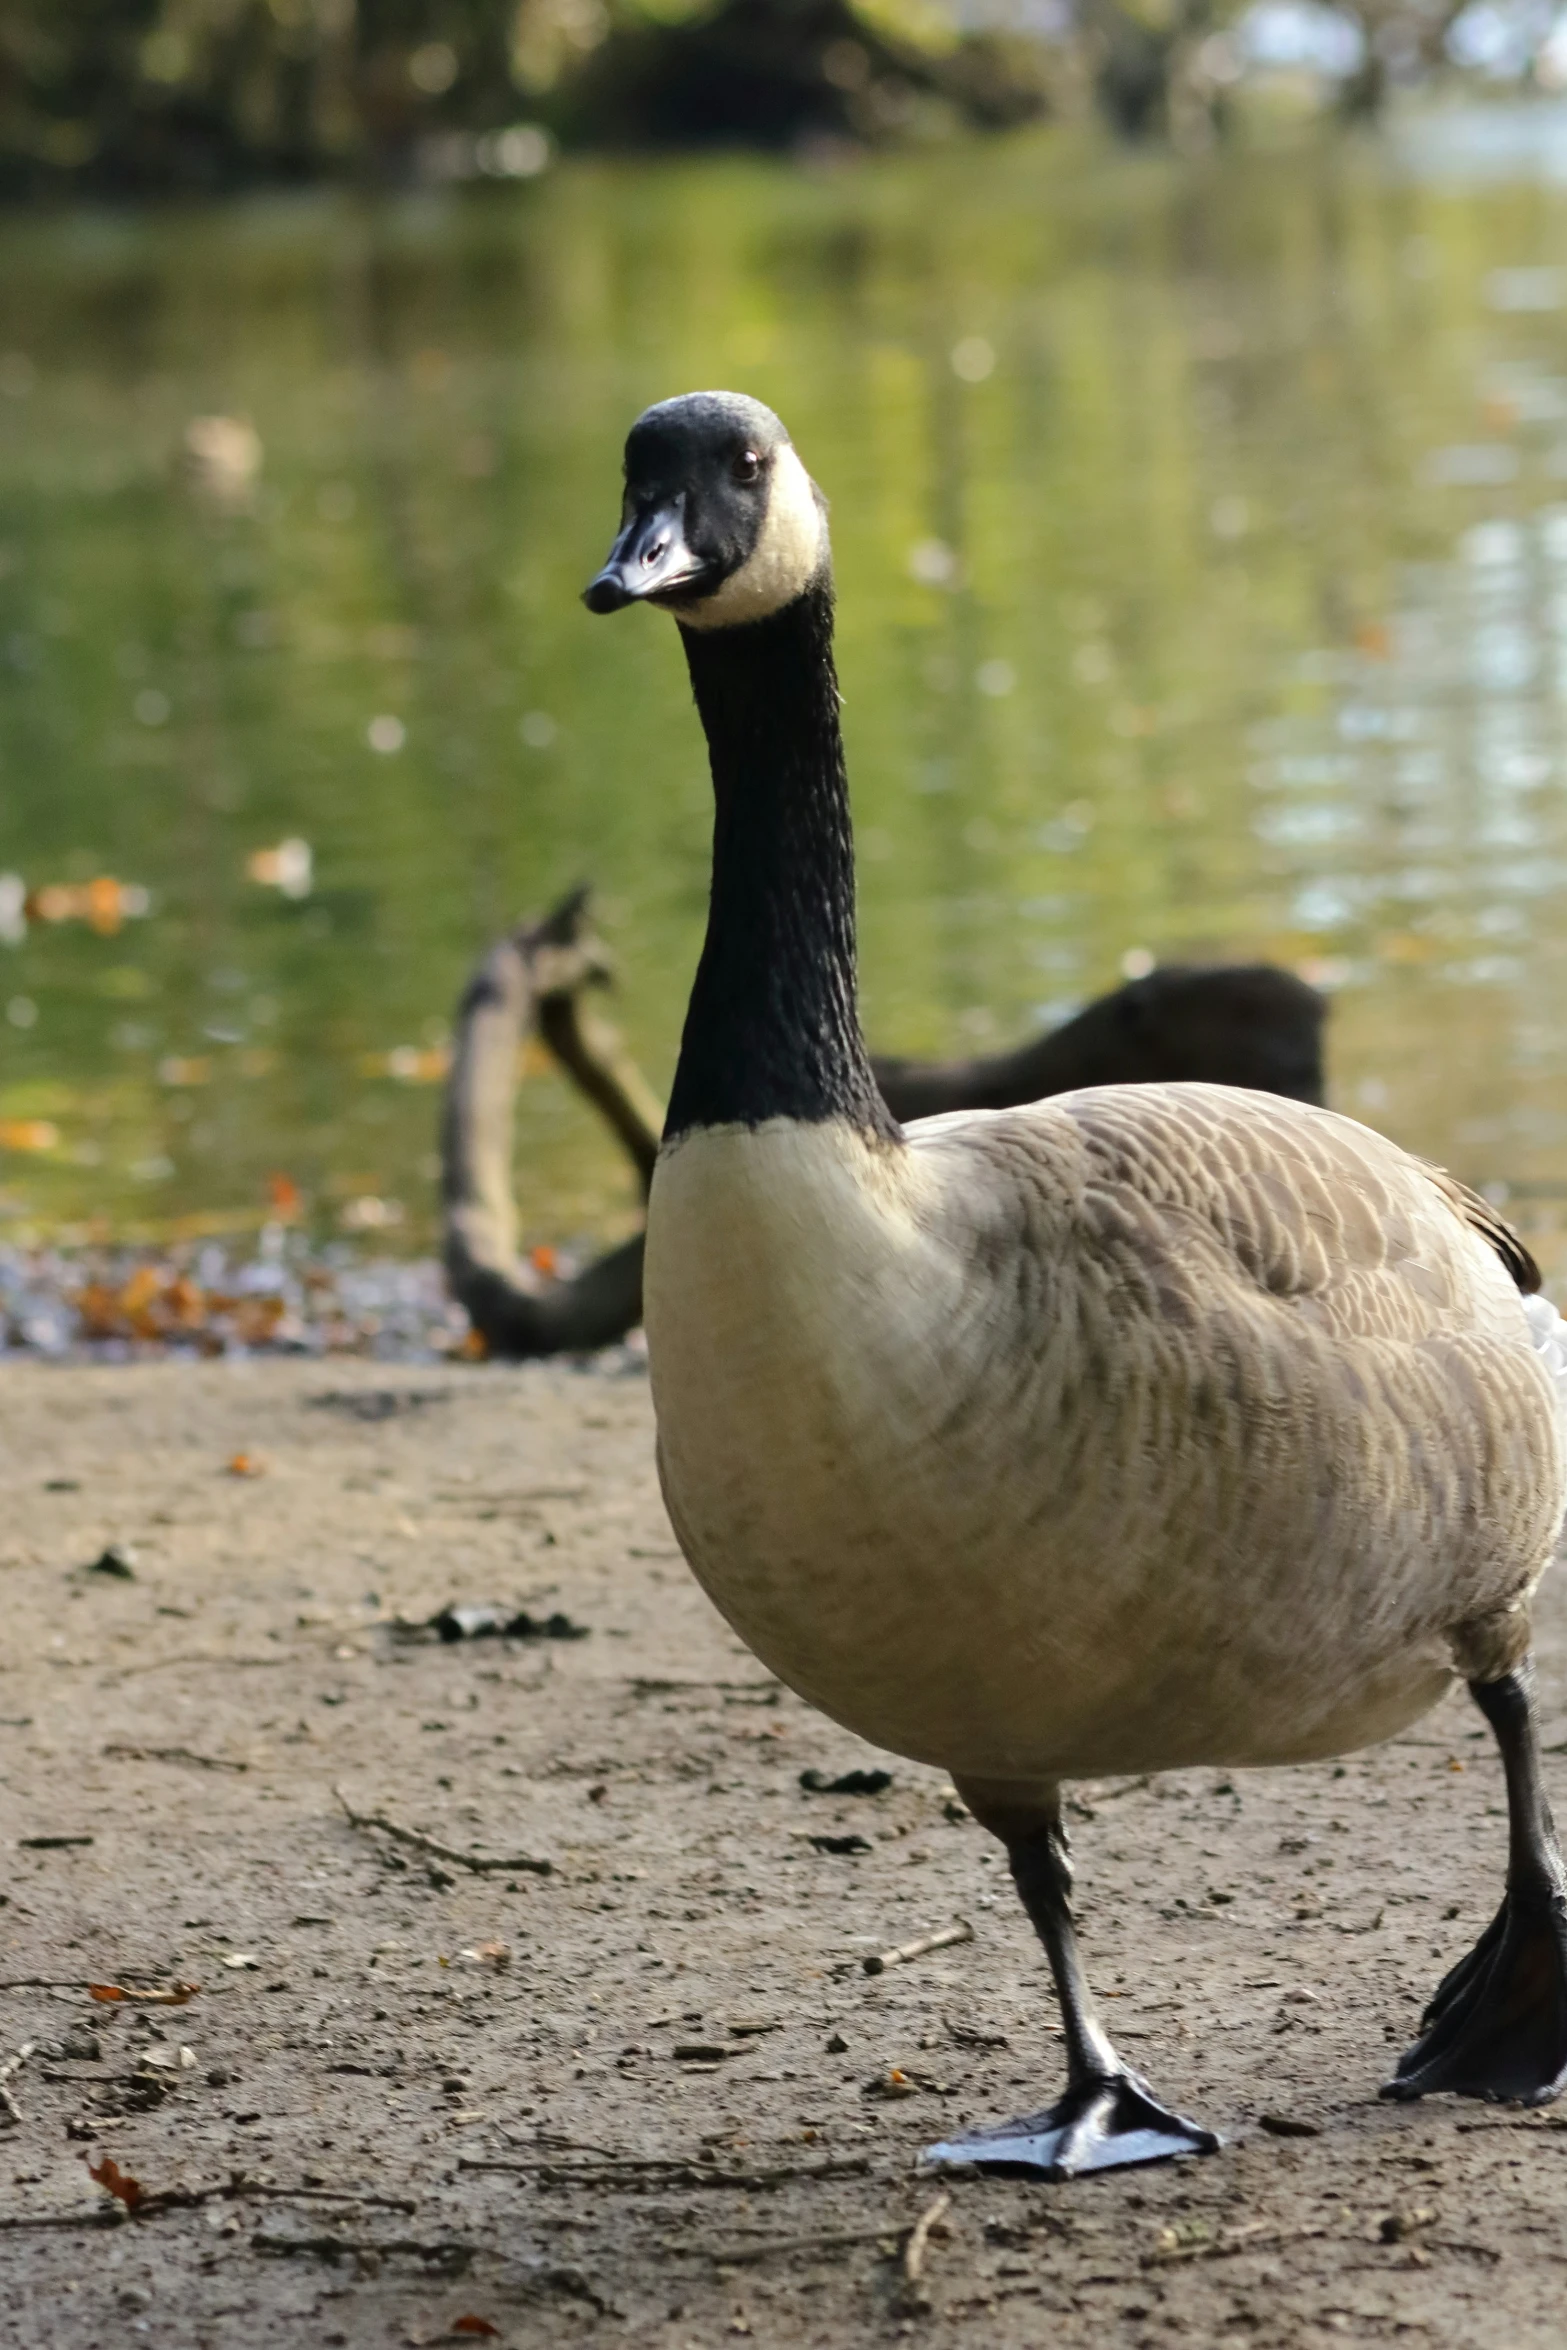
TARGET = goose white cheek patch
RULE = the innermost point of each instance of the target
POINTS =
(786, 558)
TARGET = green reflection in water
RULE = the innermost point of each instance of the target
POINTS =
(1202, 585)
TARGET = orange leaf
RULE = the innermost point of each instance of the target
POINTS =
(142, 1287)
(177, 1994)
(245, 1464)
(116, 2182)
(475, 2325)
(186, 1303)
(28, 1134)
(544, 1260)
(104, 907)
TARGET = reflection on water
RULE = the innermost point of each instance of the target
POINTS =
(1202, 542)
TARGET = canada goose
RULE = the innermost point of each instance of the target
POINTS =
(535, 973)
(1240, 1024)
(1247, 1024)
(1144, 1427)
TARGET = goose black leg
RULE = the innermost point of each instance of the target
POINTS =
(1108, 2117)
(1497, 2026)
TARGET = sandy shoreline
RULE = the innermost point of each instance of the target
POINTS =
(1267, 1940)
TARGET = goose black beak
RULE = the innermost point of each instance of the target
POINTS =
(649, 560)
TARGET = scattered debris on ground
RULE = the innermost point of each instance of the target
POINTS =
(817, 1782)
(484, 1620)
(285, 1296)
(559, 2026)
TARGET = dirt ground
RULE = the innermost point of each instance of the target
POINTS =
(673, 2109)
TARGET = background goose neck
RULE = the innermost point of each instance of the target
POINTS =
(773, 1027)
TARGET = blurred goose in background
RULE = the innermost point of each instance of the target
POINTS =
(1247, 1024)
(1149, 1426)
(220, 459)
(1240, 1024)
(535, 974)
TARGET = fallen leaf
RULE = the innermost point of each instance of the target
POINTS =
(245, 1464)
(469, 2324)
(115, 2181)
(894, 2082)
(28, 1134)
(103, 902)
(284, 1197)
(176, 1995)
(117, 1559)
(289, 868)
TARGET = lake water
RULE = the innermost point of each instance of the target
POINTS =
(1201, 533)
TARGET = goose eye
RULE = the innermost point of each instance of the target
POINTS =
(747, 465)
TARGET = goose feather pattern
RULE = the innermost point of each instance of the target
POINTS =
(946, 1484)
(1147, 1426)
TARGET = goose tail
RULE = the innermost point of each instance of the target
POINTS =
(1549, 1333)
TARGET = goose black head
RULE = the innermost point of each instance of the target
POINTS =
(721, 522)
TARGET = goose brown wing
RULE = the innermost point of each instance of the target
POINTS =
(1492, 1228)
(1209, 1191)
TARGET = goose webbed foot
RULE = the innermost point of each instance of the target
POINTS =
(1108, 2118)
(1497, 2026)
(1104, 2124)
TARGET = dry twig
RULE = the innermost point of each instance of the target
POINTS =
(192, 1656)
(231, 2190)
(912, 2294)
(451, 2258)
(1250, 2237)
(920, 1947)
(43, 1983)
(237, 2187)
(106, 2215)
(254, 2187)
(125, 1752)
(668, 2170)
(479, 1862)
(841, 2239)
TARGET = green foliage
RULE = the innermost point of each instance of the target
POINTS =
(167, 94)
(205, 92)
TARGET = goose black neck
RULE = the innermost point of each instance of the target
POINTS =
(773, 1027)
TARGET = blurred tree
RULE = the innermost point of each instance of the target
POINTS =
(128, 95)
(683, 72)
(160, 94)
